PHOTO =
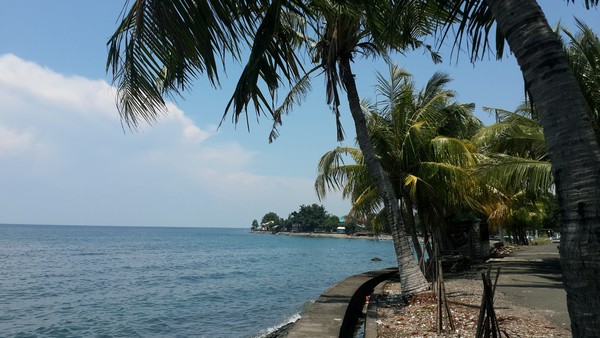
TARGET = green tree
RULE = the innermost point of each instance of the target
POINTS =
(254, 225)
(350, 227)
(515, 168)
(270, 217)
(161, 46)
(270, 220)
(309, 217)
(430, 171)
(331, 223)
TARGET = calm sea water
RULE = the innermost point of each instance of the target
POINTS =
(68, 281)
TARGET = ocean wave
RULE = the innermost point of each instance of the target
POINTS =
(291, 319)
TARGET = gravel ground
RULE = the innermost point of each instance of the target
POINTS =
(416, 316)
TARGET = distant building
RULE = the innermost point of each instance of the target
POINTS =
(341, 230)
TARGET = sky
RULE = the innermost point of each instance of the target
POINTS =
(65, 157)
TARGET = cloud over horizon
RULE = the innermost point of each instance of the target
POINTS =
(65, 159)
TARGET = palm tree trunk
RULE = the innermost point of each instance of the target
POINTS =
(574, 153)
(411, 229)
(411, 277)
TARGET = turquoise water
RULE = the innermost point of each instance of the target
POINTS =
(68, 281)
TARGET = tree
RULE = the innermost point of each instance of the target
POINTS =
(572, 143)
(515, 170)
(161, 46)
(413, 133)
(271, 218)
(331, 223)
(254, 225)
(309, 217)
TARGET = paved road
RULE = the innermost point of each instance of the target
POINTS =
(532, 278)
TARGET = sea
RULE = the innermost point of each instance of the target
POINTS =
(109, 281)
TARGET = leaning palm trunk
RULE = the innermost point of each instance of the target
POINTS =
(411, 229)
(574, 153)
(411, 277)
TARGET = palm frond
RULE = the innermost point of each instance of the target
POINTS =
(160, 47)
(436, 84)
(293, 99)
(509, 173)
(332, 173)
(583, 50)
(366, 202)
(453, 151)
(273, 58)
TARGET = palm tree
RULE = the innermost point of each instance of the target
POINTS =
(518, 158)
(161, 46)
(515, 169)
(429, 170)
(572, 143)
(516, 152)
(583, 50)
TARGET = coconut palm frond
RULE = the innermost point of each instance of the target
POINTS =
(432, 108)
(583, 50)
(367, 202)
(510, 173)
(413, 142)
(454, 151)
(378, 222)
(460, 121)
(160, 47)
(273, 59)
(515, 135)
(333, 173)
(435, 85)
(390, 88)
(293, 99)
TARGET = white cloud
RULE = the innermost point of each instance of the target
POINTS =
(64, 158)
(14, 142)
(73, 94)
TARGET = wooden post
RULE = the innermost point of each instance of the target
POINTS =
(487, 323)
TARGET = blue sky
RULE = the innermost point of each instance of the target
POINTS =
(65, 158)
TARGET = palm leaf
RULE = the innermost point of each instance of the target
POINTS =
(161, 46)
(333, 174)
(510, 173)
(583, 50)
(293, 99)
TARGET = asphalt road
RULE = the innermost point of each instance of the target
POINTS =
(532, 278)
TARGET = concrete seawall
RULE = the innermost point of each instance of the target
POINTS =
(335, 312)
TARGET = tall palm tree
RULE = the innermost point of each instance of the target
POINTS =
(161, 46)
(420, 139)
(573, 147)
(429, 170)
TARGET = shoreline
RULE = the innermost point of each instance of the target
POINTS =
(325, 235)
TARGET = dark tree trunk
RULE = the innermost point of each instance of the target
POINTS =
(411, 277)
(574, 153)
